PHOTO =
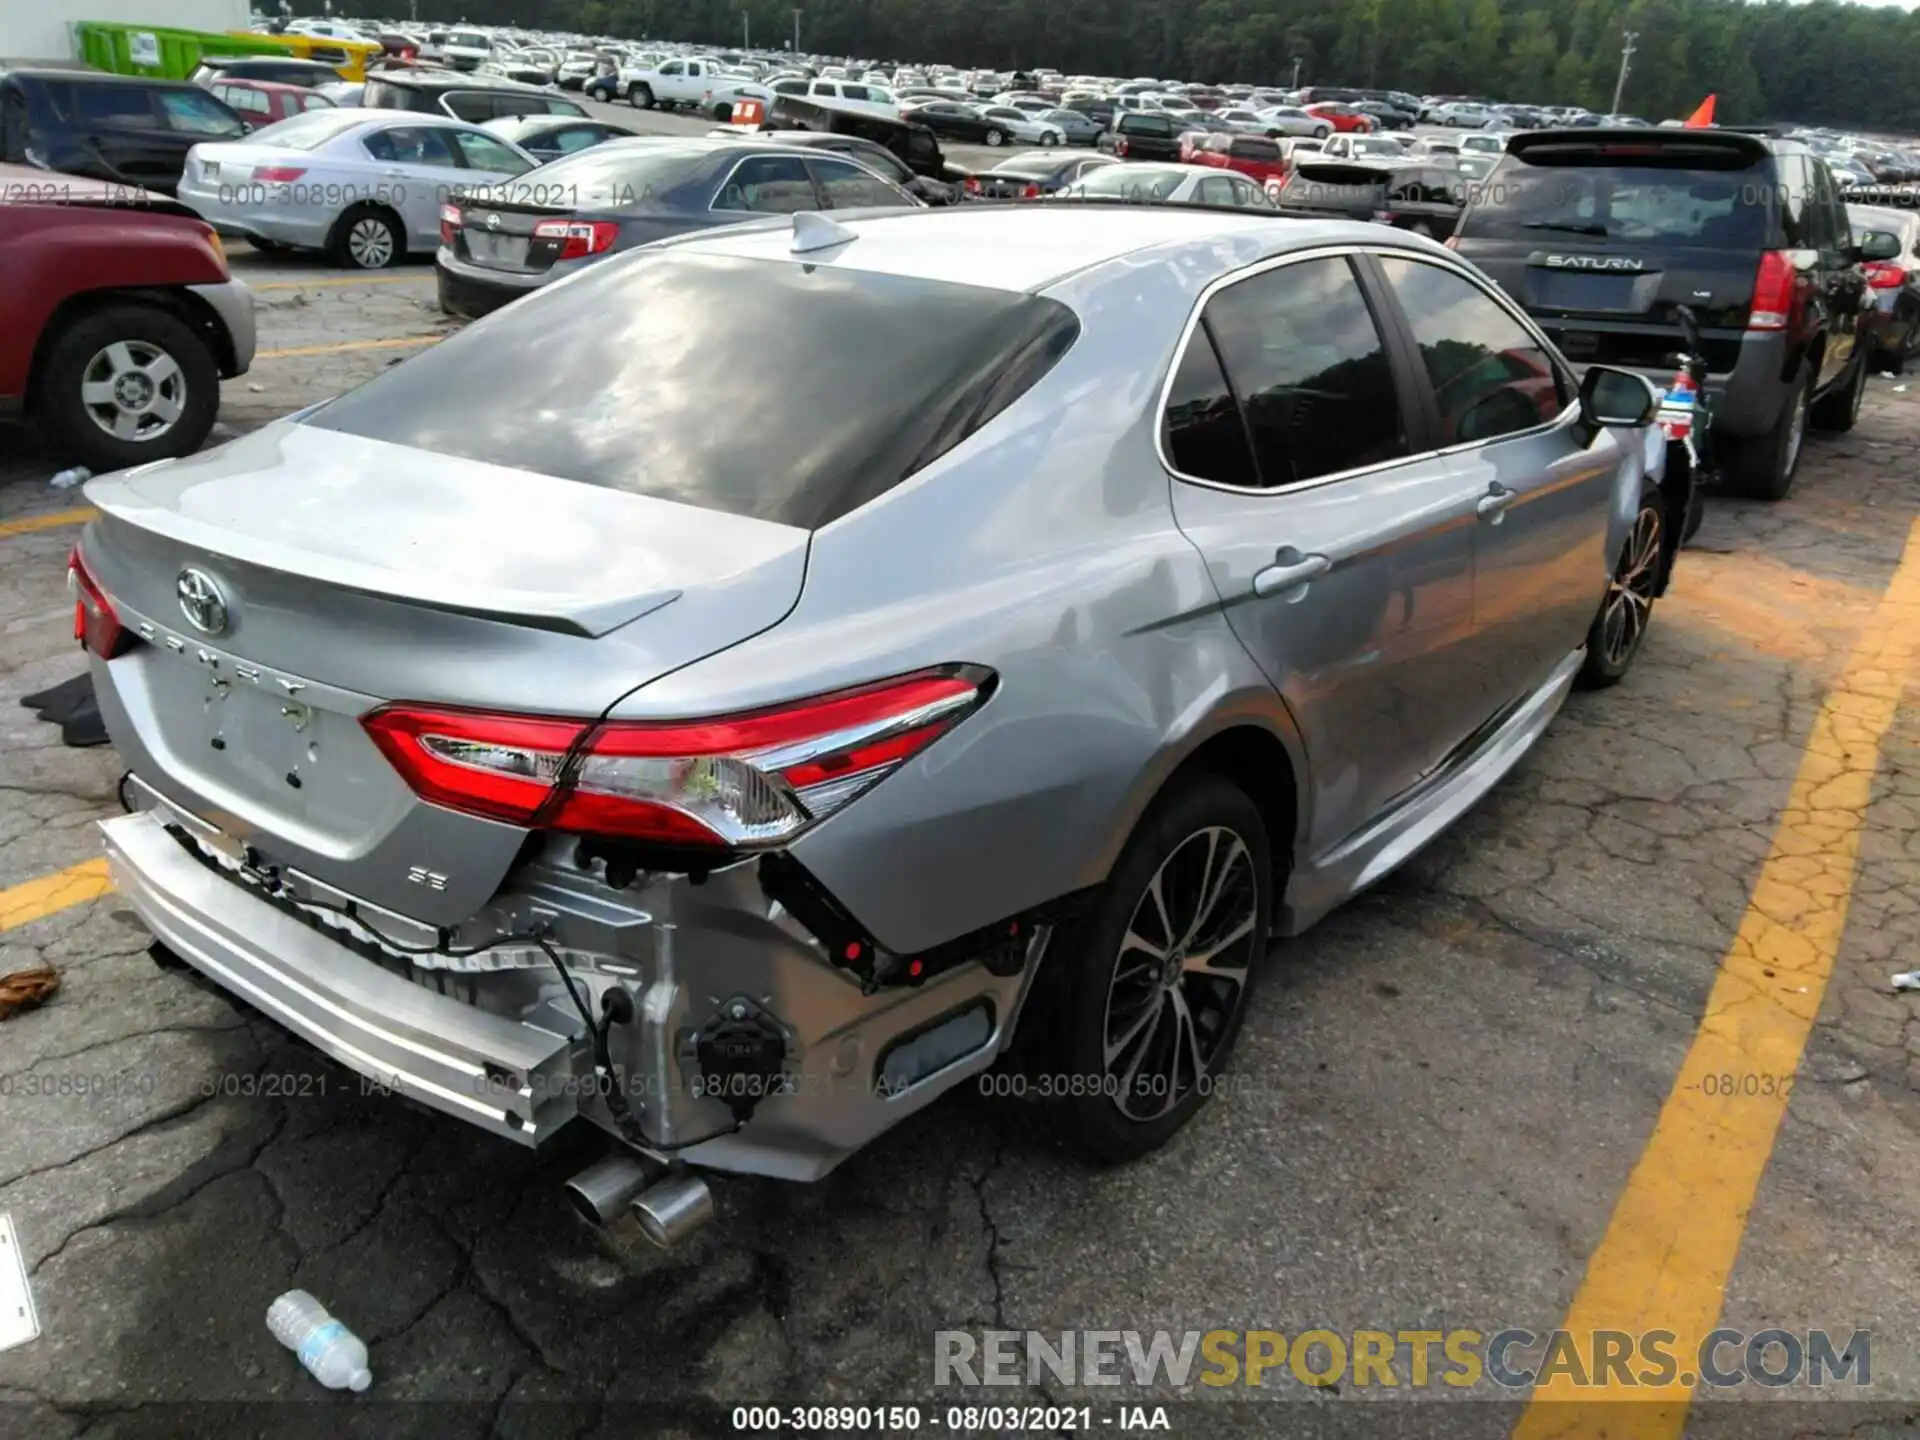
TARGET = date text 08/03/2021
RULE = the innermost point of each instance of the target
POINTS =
(913, 1420)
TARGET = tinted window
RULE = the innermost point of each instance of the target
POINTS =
(1255, 147)
(1794, 200)
(847, 187)
(1714, 205)
(1215, 190)
(1490, 376)
(411, 145)
(769, 184)
(834, 425)
(383, 95)
(1303, 354)
(854, 92)
(1205, 436)
(123, 107)
(471, 106)
(483, 152)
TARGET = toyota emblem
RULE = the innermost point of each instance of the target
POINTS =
(202, 601)
(493, 222)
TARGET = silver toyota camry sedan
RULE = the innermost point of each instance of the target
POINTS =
(859, 643)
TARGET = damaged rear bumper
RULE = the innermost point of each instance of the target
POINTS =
(497, 1041)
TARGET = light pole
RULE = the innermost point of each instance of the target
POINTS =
(746, 31)
(796, 32)
(1295, 83)
(1626, 57)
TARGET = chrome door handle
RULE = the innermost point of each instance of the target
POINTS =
(1290, 570)
(1492, 505)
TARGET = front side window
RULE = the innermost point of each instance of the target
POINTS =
(122, 107)
(1490, 375)
(769, 185)
(483, 152)
(1302, 352)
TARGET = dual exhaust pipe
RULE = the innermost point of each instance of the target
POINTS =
(670, 1205)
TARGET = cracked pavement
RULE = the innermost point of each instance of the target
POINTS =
(1439, 1093)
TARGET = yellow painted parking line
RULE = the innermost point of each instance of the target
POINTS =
(28, 524)
(399, 342)
(51, 894)
(336, 280)
(1675, 1233)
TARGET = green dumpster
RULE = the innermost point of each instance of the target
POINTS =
(160, 51)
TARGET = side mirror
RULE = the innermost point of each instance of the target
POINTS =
(1617, 397)
(1879, 245)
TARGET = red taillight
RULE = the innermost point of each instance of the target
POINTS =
(1120, 146)
(739, 782)
(973, 185)
(578, 238)
(1032, 192)
(450, 221)
(94, 623)
(1885, 275)
(278, 174)
(1772, 292)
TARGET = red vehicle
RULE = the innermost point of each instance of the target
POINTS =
(1341, 116)
(260, 103)
(1254, 156)
(118, 321)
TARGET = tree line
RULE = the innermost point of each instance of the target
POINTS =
(1823, 62)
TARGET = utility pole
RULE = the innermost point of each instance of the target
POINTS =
(1295, 83)
(746, 31)
(1626, 68)
(796, 32)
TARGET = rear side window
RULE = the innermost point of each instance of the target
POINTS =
(383, 95)
(195, 112)
(1489, 374)
(1680, 195)
(1302, 352)
(124, 107)
(833, 425)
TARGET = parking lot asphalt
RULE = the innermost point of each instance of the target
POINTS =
(1619, 1051)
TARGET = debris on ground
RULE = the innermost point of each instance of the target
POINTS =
(1907, 980)
(67, 479)
(73, 706)
(26, 989)
(333, 1354)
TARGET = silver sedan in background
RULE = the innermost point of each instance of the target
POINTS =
(363, 186)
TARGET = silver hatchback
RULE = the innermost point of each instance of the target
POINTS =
(850, 646)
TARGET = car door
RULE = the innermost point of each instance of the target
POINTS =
(120, 130)
(1341, 546)
(420, 171)
(1842, 280)
(1542, 486)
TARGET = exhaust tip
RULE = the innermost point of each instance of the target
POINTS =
(602, 1191)
(673, 1209)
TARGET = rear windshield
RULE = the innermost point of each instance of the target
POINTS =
(1132, 182)
(1029, 166)
(617, 175)
(308, 130)
(1723, 202)
(384, 95)
(651, 365)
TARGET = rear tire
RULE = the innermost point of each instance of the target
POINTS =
(1836, 412)
(1762, 467)
(1615, 637)
(367, 237)
(1141, 1027)
(182, 379)
(996, 137)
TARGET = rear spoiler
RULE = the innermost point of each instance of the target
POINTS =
(1548, 147)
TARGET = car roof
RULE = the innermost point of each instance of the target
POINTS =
(1011, 247)
(99, 77)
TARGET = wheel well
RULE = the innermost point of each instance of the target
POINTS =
(183, 305)
(369, 207)
(1256, 761)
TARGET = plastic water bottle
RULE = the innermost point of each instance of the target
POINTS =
(331, 1352)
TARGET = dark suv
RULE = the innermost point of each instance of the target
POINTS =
(473, 98)
(1142, 135)
(126, 129)
(1601, 234)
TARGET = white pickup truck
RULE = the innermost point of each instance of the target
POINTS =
(692, 84)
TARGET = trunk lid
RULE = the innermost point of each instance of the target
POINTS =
(1602, 234)
(499, 236)
(351, 572)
